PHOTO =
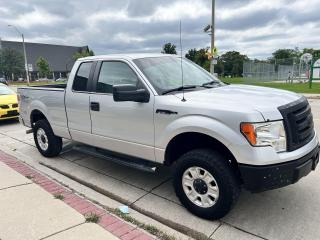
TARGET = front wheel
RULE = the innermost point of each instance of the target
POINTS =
(206, 184)
(47, 143)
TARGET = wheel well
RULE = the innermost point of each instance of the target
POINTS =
(36, 115)
(186, 142)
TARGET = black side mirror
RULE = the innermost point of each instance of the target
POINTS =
(130, 93)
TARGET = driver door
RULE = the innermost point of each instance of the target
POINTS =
(123, 127)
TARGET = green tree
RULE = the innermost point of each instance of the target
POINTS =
(82, 54)
(199, 57)
(11, 62)
(191, 54)
(308, 50)
(43, 67)
(233, 63)
(285, 56)
(169, 48)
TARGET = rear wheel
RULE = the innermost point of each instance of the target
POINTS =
(47, 143)
(206, 184)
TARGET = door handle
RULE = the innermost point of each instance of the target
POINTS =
(95, 106)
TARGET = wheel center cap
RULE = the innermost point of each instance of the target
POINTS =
(43, 139)
(200, 186)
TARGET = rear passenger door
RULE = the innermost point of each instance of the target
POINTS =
(124, 127)
(77, 101)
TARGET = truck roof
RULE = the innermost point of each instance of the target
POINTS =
(127, 56)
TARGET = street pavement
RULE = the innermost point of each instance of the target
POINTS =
(30, 212)
(288, 213)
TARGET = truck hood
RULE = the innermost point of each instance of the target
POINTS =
(262, 99)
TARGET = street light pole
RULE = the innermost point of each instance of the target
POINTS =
(24, 53)
(212, 35)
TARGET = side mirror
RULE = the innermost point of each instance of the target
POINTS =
(130, 93)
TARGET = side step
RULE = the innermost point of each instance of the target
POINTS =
(136, 163)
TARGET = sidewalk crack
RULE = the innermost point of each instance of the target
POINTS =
(53, 234)
(18, 185)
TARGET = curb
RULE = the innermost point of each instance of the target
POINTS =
(110, 223)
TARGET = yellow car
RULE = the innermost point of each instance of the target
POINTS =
(9, 107)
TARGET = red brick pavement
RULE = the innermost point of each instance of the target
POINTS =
(116, 226)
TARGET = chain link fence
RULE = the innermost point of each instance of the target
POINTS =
(281, 70)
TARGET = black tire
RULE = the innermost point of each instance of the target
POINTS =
(54, 143)
(214, 163)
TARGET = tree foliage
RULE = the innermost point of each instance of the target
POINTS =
(232, 62)
(11, 62)
(82, 54)
(229, 63)
(199, 57)
(169, 48)
(43, 67)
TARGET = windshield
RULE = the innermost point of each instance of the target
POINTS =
(5, 90)
(164, 73)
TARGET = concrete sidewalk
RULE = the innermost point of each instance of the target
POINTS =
(29, 209)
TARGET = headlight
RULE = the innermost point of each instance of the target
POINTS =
(266, 134)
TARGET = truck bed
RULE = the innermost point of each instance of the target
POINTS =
(48, 99)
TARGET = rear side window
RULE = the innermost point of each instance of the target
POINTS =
(81, 79)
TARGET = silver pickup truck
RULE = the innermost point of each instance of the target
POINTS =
(217, 137)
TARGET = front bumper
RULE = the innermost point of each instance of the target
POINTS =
(9, 113)
(262, 178)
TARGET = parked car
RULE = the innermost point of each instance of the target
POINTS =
(139, 110)
(9, 107)
(3, 81)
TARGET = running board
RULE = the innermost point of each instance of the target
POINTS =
(139, 164)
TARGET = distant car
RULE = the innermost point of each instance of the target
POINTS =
(4, 81)
(9, 107)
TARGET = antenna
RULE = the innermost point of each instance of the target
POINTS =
(182, 76)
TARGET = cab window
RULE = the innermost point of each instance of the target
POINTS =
(115, 73)
(80, 83)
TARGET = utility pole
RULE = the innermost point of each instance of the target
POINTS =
(24, 53)
(212, 34)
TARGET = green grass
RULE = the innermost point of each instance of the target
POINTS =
(59, 196)
(295, 87)
(92, 218)
(20, 84)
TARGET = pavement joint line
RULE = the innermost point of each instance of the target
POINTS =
(220, 224)
(19, 185)
(163, 182)
(91, 208)
(263, 238)
(1, 133)
(61, 231)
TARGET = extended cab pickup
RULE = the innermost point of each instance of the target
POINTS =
(218, 137)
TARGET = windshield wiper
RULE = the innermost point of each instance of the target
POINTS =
(214, 82)
(179, 89)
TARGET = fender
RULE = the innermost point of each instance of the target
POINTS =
(41, 107)
(205, 125)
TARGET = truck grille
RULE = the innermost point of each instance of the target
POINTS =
(298, 122)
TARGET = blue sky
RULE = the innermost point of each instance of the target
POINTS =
(253, 27)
